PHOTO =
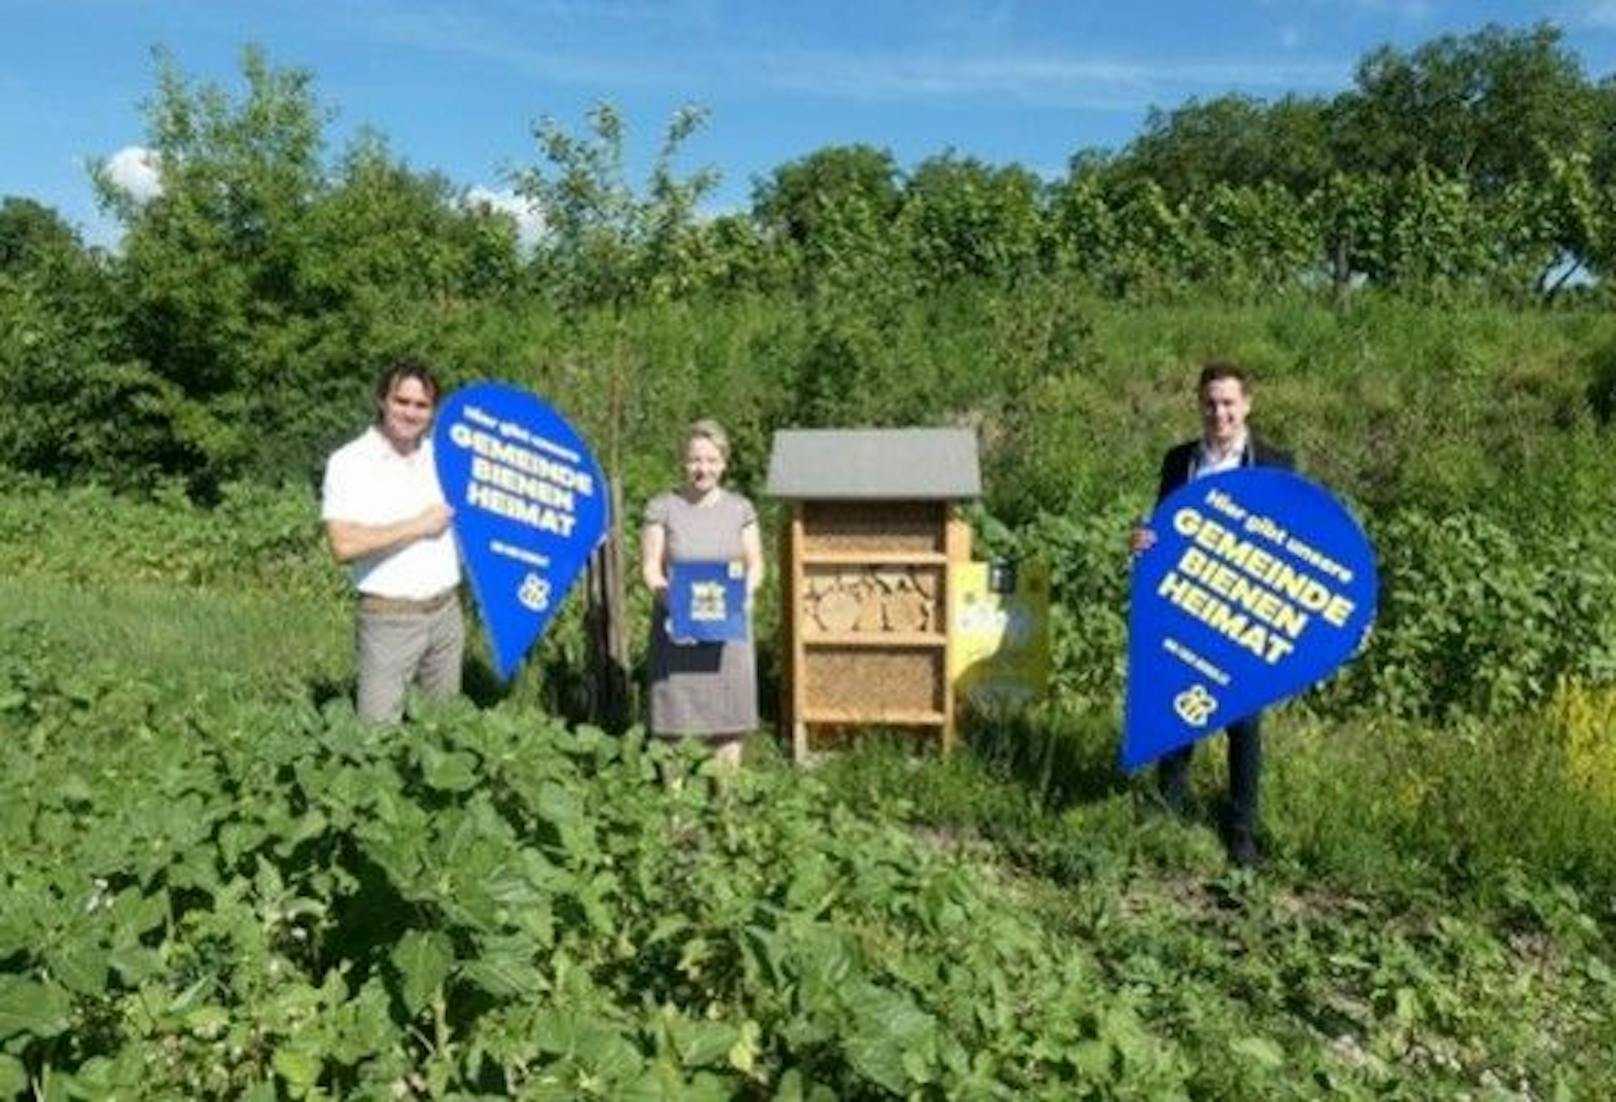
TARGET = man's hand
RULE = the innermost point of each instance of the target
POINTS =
(1140, 540)
(432, 520)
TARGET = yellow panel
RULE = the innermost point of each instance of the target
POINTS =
(999, 645)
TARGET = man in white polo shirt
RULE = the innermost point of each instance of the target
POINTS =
(385, 516)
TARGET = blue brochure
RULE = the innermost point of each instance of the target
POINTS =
(706, 602)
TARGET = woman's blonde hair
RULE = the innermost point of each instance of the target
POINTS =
(709, 430)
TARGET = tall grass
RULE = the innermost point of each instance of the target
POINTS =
(1074, 396)
(251, 638)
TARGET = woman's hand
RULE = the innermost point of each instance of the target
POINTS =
(752, 554)
(653, 548)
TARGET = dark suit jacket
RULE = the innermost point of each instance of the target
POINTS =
(1175, 467)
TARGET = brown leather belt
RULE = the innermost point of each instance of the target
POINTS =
(371, 602)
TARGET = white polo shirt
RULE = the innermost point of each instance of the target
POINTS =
(368, 482)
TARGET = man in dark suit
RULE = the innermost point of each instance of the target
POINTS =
(1225, 444)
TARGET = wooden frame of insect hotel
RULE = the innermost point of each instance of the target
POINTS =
(864, 576)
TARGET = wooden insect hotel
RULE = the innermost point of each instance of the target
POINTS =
(864, 574)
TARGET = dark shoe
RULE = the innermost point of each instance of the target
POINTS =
(1162, 805)
(1242, 847)
(1174, 797)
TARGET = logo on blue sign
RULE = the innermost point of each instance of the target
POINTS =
(529, 506)
(1259, 585)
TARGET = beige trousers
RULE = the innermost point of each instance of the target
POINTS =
(395, 649)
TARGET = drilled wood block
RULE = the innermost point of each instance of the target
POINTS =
(882, 526)
(866, 681)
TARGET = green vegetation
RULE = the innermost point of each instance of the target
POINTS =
(218, 884)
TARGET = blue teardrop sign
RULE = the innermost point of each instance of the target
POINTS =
(529, 506)
(1259, 584)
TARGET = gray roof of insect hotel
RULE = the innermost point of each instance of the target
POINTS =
(874, 465)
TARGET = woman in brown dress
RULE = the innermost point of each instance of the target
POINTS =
(701, 690)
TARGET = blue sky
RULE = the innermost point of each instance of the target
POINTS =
(456, 86)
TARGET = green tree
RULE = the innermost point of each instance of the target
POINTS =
(732, 255)
(77, 408)
(799, 197)
(264, 287)
(383, 228)
(1346, 208)
(1235, 140)
(1262, 238)
(34, 236)
(1434, 236)
(1488, 108)
(610, 244)
(965, 219)
(212, 262)
(606, 241)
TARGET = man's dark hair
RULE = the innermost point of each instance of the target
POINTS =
(1213, 370)
(399, 370)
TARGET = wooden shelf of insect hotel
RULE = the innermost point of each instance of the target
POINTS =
(864, 562)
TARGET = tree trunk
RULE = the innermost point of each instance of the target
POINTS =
(607, 620)
(1340, 272)
(607, 623)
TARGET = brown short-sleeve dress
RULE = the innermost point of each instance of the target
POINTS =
(701, 688)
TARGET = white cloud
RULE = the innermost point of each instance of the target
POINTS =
(453, 28)
(1093, 82)
(133, 170)
(1037, 76)
(529, 219)
(1411, 12)
(1406, 9)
